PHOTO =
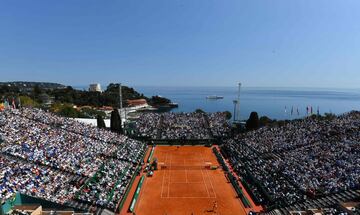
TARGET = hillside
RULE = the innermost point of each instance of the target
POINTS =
(43, 92)
(24, 85)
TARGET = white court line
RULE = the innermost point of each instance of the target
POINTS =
(211, 183)
(168, 194)
(185, 197)
(202, 173)
(186, 176)
(203, 182)
(187, 182)
(207, 190)
(164, 176)
(162, 184)
(209, 177)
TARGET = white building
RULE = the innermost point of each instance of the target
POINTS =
(95, 88)
(93, 122)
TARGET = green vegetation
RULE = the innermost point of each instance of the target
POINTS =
(69, 111)
(26, 101)
(329, 116)
(158, 101)
(115, 122)
(66, 110)
(61, 99)
(264, 121)
(253, 122)
(199, 111)
(89, 112)
(110, 97)
(228, 115)
(100, 122)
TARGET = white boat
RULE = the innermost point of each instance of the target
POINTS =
(214, 97)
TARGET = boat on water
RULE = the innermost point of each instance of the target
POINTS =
(214, 97)
(173, 104)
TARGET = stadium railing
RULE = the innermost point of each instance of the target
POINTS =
(136, 194)
(220, 159)
(239, 191)
(151, 154)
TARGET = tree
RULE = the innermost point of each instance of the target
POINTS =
(158, 101)
(253, 122)
(26, 101)
(228, 115)
(100, 122)
(37, 90)
(92, 113)
(264, 121)
(112, 94)
(68, 111)
(329, 116)
(199, 111)
(115, 122)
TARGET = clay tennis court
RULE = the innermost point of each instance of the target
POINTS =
(185, 185)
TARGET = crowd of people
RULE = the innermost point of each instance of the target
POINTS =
(55, 148)
(219, 124)
(34, 180)
(71, 125)
(308, 157)
(108, 185)
(148, 125)
(186, 126)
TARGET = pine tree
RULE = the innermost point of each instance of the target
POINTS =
(115, 122)
(253, 122)
(100, 122)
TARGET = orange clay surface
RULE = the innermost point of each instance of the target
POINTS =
(182, 189)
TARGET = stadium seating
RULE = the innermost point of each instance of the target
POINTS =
(182, 126)
(65, 161)
(311, 158)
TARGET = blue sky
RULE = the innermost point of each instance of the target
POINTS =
(280, 43)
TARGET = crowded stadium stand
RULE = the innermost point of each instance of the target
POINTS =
(65, 161)
(182, 126)
(308, 163)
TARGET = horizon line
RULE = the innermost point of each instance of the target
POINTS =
(192, 86)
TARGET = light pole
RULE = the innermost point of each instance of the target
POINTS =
(235, 105)
(120, 97)
(238, 104)
(120, 103)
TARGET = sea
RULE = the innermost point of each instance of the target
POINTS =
(276, 103)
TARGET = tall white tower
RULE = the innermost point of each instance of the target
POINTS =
(238, 104)
(95, 88)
